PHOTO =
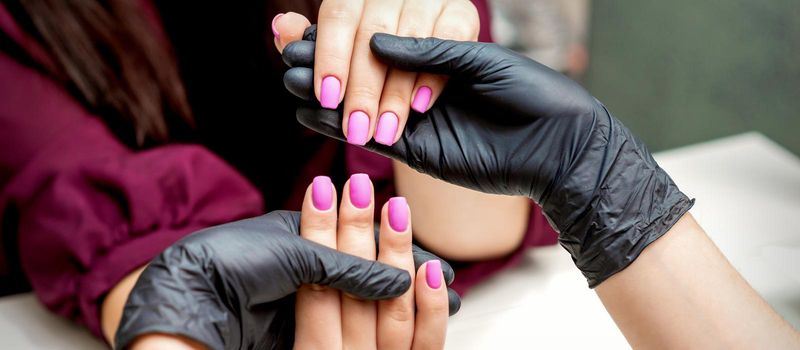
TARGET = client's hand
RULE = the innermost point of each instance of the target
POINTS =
(376, 98)
(328, 319)
(508, 125)
(232, 286)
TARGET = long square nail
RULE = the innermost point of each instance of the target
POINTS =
(398, 214)
(358, 128)
(386, 129)
(329, 92)
(422, 99)
(433, 274)
(360, 190)
(322, 193)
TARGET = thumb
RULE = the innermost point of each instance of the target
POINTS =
(431, 55)
(366, 279)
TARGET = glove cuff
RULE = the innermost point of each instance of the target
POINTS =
(608, 214)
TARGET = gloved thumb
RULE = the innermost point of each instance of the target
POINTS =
(366, 279)
(431, 55)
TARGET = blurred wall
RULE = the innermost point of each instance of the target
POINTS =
(683, 71)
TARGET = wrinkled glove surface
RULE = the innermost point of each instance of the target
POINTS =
(232, 286)
(508, 125)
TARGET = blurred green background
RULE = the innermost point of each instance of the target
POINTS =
(680, 72)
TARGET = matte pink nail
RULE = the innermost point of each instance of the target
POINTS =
(398, 214)
(358, 128)
(322, 193)
(422, 99)
(387, 128)
(329, 92)
(274, 28)
(433, 274)
(360, 190)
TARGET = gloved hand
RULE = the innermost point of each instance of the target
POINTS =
(508, 125)
(232, 286)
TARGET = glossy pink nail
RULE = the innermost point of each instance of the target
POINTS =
(329, 92)
(322, 193)
(274, 28)
(422, 99)
(433, 274)
(398, 214)
(358, 128)
(386, 129)
(360, 190)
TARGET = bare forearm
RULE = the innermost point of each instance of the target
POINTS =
(458, 223)
(681, 293)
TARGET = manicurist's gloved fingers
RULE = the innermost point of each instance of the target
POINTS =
(288, 27)
(355, 237)
(300, 54)
(396, 316)
(318, 310)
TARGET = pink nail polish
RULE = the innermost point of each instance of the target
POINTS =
(329, 92)
(422, 99)
(360, 190)
(398, 214)
(322, 193)
(274, 28)
(358, 128)
(433, 274)
(386, 129)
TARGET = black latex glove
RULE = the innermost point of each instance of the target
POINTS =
(508, 125)
(232, 286)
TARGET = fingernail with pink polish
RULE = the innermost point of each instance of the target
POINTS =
(329, 92)
(360, 190)
(386, 129)
(422, 99)
(274, 28)
(398, 214)
(433, 274)
(322, 193)
(358, 128)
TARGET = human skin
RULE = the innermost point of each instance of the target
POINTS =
(462, 217)
(328, 319)
(448, 231)
(682, 293)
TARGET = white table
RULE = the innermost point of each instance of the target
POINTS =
(748, 200)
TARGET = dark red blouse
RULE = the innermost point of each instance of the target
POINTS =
(79, 209)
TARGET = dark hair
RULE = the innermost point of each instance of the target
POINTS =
(112, 58)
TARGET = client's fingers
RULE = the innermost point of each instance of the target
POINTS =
(355, 237)
(431, 299)
(317, 309)
(396, 316)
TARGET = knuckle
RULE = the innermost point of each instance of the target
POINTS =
(397, 247)
(461, 21)
(366, 29)
(339, 11)
(393, 98)
(453, 31)
(332, 57)
(398, 311)
(414, 26)
(361, 92)
(357, 224)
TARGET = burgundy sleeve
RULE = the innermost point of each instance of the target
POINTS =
(85, 209)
